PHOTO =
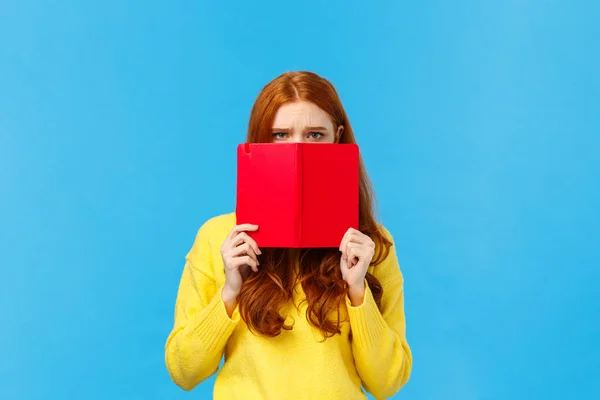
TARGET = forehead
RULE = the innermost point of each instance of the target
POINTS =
(301, 113)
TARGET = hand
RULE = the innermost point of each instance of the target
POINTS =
(357, 252)
(240, 254)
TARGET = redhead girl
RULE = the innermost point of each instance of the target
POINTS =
(292, 323)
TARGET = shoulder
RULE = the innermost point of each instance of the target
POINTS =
(218, 224)
(385, 240)
(389, 268)
(385, 232)
(214, 230)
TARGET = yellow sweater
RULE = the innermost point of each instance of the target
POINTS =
(296, 364)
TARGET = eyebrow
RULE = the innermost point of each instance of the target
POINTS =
(308, 128)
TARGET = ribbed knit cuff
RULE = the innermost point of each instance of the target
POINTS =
(213, 326)
(366, 321)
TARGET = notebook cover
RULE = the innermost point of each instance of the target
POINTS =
(330, 193)
(300, 194)
(268, 192)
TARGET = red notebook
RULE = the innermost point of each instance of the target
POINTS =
(299, 194)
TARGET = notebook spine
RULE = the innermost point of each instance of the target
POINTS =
(298, 211)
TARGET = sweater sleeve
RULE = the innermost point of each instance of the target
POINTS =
(202, 326)
(381, 353)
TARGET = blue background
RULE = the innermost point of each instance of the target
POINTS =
(478, 121)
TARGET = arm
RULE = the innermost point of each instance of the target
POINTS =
(202, 325)
(381, 353)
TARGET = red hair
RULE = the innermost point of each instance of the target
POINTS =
(265, 292)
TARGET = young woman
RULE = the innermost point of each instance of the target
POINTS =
(292, 323)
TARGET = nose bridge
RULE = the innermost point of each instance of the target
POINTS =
(297, 136)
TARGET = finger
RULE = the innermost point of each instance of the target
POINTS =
(344, 238)
(345, 251)
(343, 266)
(359, 237)
(352, 249)
(240, 228)
(354, 236)
(244, 249)
(345, 263)
(343, 244)
(356, 253)
(361, 254)
(244, 237)
(246, 260)
(352, 256)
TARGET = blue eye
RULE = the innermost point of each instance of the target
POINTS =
(315, 135)
(279, 135)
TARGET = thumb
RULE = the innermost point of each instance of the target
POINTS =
(343, 264)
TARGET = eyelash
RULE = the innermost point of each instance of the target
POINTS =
(320, 135)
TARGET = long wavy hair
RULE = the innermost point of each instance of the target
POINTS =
(318, 270)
